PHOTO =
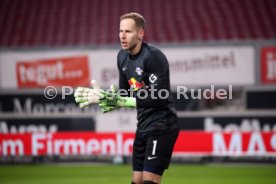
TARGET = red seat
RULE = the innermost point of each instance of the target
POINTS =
(93, 22)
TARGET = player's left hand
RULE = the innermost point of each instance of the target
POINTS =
(109, 102)
(112, 100)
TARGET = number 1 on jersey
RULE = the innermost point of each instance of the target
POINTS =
(154, 147)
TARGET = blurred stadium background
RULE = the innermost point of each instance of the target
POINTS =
(216, 46)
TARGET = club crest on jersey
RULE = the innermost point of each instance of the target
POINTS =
(139, 70)
(134, 84)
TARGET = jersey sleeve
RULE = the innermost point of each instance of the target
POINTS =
(159, 83)
(123, 82)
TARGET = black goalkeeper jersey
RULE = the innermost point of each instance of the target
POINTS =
(146, 77)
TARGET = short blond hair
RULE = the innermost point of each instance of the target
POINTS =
(138, 19)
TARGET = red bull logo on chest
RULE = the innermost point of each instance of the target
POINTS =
(135, 84)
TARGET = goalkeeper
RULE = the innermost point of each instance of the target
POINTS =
(143, 74)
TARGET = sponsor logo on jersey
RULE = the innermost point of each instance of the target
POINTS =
(152, 78)
(150, 158)
(135, 84)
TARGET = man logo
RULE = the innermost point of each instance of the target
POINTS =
(152, 78)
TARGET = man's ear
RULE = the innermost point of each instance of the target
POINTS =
(141, 34)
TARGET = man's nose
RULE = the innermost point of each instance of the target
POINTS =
(123, 34)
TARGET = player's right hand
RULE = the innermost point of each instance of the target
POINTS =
(86, 96)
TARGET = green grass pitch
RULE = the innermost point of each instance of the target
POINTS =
(120, 174)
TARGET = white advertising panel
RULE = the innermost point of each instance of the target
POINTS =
(211, 65)
(188, 66)
(102, 66)
(117, 121)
